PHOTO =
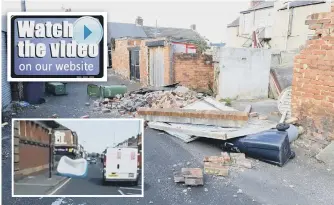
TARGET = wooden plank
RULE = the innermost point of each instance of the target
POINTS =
(198, 117)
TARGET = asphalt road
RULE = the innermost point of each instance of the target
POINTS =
(92, 185)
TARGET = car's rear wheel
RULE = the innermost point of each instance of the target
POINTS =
(135, 183)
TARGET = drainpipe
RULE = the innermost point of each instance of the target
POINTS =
(50, 153)
(23, 6)
(287, 31)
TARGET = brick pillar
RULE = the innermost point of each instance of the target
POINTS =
(313, 79)
(16, 146)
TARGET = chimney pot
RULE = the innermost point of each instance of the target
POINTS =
(139, 21)
(193, 27)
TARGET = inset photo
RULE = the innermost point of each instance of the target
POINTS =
(77, 157)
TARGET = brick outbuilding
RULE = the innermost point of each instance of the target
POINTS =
(158, 62)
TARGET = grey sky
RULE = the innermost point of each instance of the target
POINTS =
(96, 135)
(210, 18)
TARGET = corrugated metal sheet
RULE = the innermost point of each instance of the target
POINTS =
(6, 91)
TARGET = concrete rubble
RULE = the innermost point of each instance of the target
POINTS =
(185, 114)
(177, 98)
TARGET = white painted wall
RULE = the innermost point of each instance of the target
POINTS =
(244, 73)
(255, 20)
(276, 23)
(233, 39)
(299, 31)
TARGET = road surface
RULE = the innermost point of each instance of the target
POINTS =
(162, 155)
(92, 185)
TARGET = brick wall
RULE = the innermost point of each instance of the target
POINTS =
(313, 79)
(120, 58)
(193, 71)
(31, 150)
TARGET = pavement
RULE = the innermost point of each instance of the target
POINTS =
(39, 184)
(302, 181)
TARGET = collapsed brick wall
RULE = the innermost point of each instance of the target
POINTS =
(313, 79)
(194, 71)
(120, 58)
(31, 151)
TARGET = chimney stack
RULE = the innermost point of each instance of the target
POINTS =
(139, 21)
(193, 27)
(255, 3)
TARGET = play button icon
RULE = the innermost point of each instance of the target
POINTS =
(87, 30)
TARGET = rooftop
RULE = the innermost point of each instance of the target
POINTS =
(234, 23)
(263, 5)
(295, 4)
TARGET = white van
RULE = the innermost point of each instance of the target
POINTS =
(121, 165)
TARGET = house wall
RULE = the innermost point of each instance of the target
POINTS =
(243, 73)
(276, 22)
(313, 79)
(66, 140)
(5, 85)
(233, 38)
(299, 31)
(254, 20)
(193, 71)
(30, 157)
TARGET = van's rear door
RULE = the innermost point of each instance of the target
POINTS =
(121, 163)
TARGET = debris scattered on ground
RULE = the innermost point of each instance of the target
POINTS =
(189, 176)
(206, 189)
(54, 116)
(85, 116)
(253, 114)
(301, 130)
(220, 165)
(177, 98)
(275, 113)
(263, 117)
(293, 121)
(239, 191)
(248, 108)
